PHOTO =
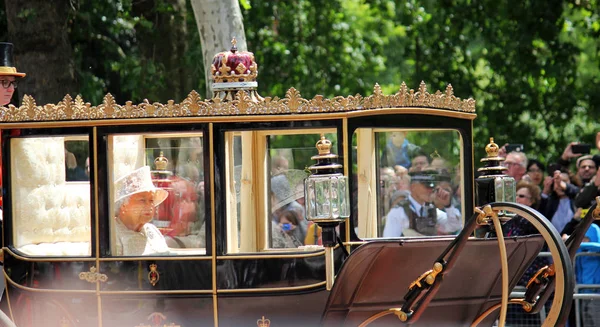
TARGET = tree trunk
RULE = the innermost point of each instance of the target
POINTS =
(218, 22)
(39, 30)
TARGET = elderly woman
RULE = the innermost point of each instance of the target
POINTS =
(136, 200)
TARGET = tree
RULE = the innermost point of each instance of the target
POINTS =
(218, 22)
(39, 30)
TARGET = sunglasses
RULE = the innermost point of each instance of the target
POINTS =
(6, 83)
(523, 196)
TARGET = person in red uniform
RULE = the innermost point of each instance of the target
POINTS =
(8, 83)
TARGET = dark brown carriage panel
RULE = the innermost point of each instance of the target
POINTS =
(157, 310)
(377, 275)
(300, 309)
(53, 309)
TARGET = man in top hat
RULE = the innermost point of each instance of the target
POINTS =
(136, 202)
(417, 216)
(8, 83)
(8, 73)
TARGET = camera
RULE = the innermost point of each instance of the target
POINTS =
(514, 148)
(581, 148)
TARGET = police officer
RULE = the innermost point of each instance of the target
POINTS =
(417, 216)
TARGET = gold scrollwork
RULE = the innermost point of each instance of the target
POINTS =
(93, 276)
(596, 212)
(153, 275)
(242, 104)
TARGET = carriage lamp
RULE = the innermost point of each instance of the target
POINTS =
(493, 185)
(327, 200)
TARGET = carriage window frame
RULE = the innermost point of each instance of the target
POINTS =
(144, 137)
(57, 247)
(258, 239)
(370, 155)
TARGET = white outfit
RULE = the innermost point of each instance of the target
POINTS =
(148, 241)
(397, 222)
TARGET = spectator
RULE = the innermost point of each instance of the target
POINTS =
(567, 155)
(588, 193)
(586, 169)
(528, 194)
(516, 162)
(73, 172)
(557, 200)
(279, 164)
(287, 233)
(313, 235)
(419, 161)
(398, 150)
(442, 198)
(284, 198)
(535, 171)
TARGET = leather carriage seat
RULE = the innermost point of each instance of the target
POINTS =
(376, 277)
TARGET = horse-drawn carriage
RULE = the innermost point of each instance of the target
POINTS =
(218, 248)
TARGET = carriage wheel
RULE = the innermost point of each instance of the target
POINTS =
(564, 279)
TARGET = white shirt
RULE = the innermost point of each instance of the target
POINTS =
(397, 222)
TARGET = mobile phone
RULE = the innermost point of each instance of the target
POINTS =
(514, 148)
(581, 148)
(552, 168)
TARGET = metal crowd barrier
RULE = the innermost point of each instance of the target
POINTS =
(586, 306)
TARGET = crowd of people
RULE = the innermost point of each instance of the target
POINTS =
(420, 192)
(558, 192)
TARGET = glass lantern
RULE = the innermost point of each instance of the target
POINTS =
(494, 185)
(327, 200)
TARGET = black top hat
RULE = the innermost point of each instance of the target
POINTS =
(7, 66)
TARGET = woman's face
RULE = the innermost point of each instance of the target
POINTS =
(524, 196)
(536, 174)
(6, 93)
(137, 210)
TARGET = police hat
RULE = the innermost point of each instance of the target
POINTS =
(426, 177)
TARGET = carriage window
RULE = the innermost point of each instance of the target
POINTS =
(50, 196)
(158, 195)
(265, 178)
(417, 177)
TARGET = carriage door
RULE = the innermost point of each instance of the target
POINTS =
(272, 265)
(48, 228)
(154, 232)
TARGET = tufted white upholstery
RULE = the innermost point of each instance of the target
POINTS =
(47, 209)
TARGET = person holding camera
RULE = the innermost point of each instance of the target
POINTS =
(417, 216)
(587, 197)
(557, 199)
(286, 233)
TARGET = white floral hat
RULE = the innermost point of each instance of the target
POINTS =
(138, 181)
(287, 187)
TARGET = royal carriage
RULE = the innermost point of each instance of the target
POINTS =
(229, 165)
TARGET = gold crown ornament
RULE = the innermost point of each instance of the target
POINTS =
(323, 145)
(263, 322)
(161, 162)
(492, 148)
(234, 71)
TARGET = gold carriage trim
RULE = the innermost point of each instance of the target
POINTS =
(93, 276)
(194, 106)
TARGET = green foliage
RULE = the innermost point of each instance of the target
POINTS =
(117, 50)
(532, 66)
(330, 49)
